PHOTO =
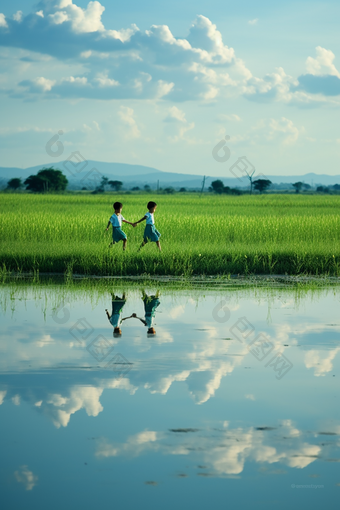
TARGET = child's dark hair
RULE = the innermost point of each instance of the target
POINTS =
(117, 206)
(151, 205)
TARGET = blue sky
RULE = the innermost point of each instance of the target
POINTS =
(161, 84)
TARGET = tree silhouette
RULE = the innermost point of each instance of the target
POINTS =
(235, 191)
(46, 179)
(116, 185)
(169, 190)
(217, 186)
(298, 186)
(14, 183)
(261, 184)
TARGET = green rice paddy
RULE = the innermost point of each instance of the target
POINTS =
(208, 235)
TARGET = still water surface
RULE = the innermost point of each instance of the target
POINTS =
(232, 403)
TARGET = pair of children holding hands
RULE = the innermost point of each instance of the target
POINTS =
(150, 232)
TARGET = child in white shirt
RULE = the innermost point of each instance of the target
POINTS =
(116, 221)
(150, 231)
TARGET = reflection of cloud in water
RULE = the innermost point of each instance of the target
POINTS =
(321, 365)
(206, 377)
(38, 348)
(289, 303)
(121, 384)
(162, 336)
(26, 477)
(306, 333)
(136, 444)
(285, 332)
(193, 349)
(203, 368)
(224, 451)
(44, 340)
(61, 408)
(16, 400)
(163, 384)
(201, 363)
(176, 312)
(202, 384)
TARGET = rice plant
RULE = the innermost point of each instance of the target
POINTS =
(273, 234)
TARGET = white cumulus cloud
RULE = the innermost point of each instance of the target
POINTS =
(82, 20)
(322, 64)
(126, 115)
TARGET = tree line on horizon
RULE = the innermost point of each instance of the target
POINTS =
(51, 180)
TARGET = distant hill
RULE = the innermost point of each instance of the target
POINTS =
(66, 167)
(88, 173)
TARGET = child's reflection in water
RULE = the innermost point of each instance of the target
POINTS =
(150, 305)
(115, 318)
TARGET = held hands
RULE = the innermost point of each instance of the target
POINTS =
(134, 225)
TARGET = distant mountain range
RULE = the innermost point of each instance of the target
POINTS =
(82, 173)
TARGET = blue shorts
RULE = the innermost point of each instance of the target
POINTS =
(151, 233)
(118, 234)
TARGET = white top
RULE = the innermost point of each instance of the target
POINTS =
(116, 220)
(149, 218)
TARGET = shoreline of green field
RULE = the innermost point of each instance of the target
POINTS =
(208, 235)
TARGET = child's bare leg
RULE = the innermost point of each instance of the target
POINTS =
(159, 245)
(124, 244)
(143, 244)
